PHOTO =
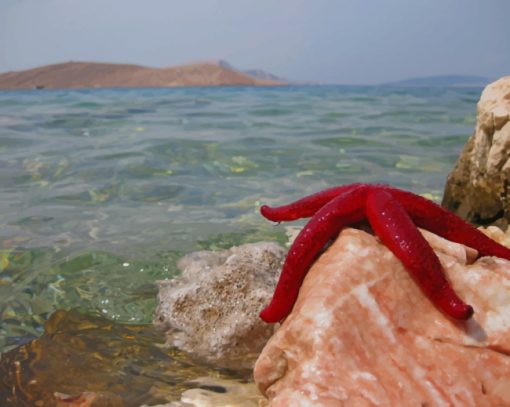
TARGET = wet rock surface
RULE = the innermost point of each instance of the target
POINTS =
(362, 333)
(211, 310)
(478, 188)
(89, 361)
(214, 392)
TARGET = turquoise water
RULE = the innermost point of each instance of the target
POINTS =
(102, 190)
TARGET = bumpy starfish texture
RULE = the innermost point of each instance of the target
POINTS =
(394, 216)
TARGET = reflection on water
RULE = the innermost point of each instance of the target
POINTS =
(123, 365)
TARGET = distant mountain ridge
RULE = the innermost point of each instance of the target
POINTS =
(107, 75)
(255, 73)
(442, 80)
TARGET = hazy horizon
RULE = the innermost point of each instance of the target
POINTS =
(327, 41)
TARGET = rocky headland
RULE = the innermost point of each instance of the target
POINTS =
(78, 75)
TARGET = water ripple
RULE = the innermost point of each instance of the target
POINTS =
(94, 179)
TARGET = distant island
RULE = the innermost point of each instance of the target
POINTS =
(80, 75)
(443, 81)
(105, 75)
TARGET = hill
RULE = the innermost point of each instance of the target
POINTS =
(104, 75)
(255, 73)
(443, 80)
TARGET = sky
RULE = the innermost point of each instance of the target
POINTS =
(325, 41)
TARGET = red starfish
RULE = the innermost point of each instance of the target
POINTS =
(394, 215)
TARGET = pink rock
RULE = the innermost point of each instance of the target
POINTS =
(362, 334)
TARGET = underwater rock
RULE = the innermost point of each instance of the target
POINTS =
(212, 309)
(363, 334)
(83, 360)
(477, 188)
(214, 392)
(84, 399)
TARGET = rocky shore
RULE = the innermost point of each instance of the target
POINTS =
(363, 334)
(477, 189)
(360, 334)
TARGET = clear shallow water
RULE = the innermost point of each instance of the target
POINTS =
(102, 190)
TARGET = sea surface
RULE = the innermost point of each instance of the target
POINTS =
(101, 191)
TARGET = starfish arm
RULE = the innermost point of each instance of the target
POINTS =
(425, 214)
(428, 215)
(305, 207)
(394, 227)
(339, 212)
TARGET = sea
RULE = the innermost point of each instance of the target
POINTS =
(102, 191)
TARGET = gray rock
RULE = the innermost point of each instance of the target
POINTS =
(211, 310)
(478, 188)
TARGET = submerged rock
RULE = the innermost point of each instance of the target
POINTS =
(477, 188)
(84, 360)
(213, 392)
(362, 333)
(84, 399)
(211, 310)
